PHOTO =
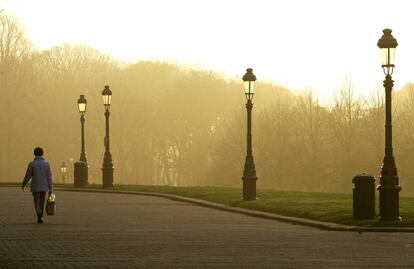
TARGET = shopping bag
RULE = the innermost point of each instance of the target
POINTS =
(50, 205)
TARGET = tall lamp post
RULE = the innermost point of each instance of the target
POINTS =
(389, 188)
(81, 166)
(82, 110)
(63, 170)
(249, 173)
(107, 166)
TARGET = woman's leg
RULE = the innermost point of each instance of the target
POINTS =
(39, 202)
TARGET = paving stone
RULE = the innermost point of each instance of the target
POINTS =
(94, 230)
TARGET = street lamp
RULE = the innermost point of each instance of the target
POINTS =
(81, 166)
(389, 188)
(249, 173)
(107, 166)
(63, 170)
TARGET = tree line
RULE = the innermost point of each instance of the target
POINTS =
(176, 125)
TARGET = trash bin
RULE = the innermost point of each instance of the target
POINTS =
(364, 196)
(80, 178)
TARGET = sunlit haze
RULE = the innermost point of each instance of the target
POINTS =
(299, 44)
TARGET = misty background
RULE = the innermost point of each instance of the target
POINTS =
(175, 125)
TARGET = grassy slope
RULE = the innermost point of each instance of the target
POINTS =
(331, 207)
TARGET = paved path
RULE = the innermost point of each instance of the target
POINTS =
(92, 230)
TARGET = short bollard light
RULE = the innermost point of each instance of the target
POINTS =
(63, 171)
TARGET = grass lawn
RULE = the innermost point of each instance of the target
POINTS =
(330, 207)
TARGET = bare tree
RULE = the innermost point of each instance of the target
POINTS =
(15, 79)
(346, 114)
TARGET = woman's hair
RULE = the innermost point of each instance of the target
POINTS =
(38, 151)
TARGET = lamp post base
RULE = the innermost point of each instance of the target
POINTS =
(249, 188)
(389, 203)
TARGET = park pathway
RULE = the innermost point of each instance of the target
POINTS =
(95, 230)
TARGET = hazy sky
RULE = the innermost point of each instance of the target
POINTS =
(294, 43)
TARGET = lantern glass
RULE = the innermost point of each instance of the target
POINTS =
(106, 95)
(82, 104)
(249, 87)
(82, 107)
(388, 56)
(106, 100)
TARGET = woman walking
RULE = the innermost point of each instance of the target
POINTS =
(41, 175)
